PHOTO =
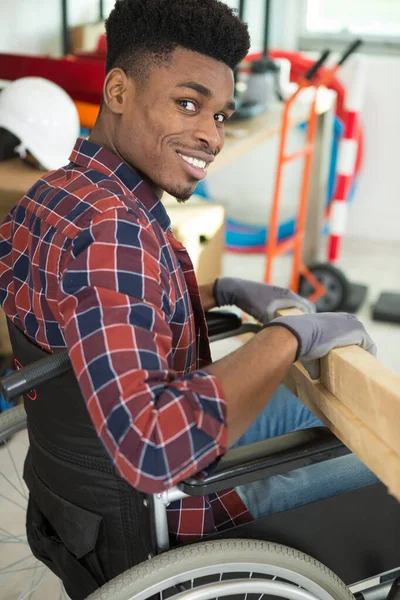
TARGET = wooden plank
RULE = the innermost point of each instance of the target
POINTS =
(369, 383)
(365, 389)
(370, 390)
(369, 447)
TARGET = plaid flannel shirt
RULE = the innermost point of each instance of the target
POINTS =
(88, 261)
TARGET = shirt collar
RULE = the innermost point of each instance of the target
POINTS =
(89, 155)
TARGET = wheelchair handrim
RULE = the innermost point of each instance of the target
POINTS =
(21, 574)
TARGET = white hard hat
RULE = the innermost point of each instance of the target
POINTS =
(44, 118)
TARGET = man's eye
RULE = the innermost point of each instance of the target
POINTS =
(188, 105)
(220, 118)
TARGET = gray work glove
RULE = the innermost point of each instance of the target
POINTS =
(260, 300)
(318, 334)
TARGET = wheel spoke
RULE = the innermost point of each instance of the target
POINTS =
(30, 583)
(39, 583)
(13, 571)
(25, 571)
(250, 576)
(220, 578)
(8, 540)
(13, 486)
(8, 535)
(17, 472)
(12, 501)
(3, 570)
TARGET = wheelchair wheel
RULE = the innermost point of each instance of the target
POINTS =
(239, 569)
(21, 575)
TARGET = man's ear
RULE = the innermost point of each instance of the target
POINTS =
(115, 91)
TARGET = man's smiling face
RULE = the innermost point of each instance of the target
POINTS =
(172, 126)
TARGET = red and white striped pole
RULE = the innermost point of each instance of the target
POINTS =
(347, 158)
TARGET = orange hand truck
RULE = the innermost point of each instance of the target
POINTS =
(275, 248)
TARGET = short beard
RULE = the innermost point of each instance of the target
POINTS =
(181, 194)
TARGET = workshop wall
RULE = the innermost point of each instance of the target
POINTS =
(375, 210)
(38, 24)
(283, 29)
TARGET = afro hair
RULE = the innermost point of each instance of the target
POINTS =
(141, 32)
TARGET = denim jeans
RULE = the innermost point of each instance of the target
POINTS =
(285, 413)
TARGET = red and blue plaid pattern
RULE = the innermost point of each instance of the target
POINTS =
(88, 261)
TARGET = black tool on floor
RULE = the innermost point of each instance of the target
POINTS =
(387, 308)
(356, 297)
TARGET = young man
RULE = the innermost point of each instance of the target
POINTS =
(89, 261)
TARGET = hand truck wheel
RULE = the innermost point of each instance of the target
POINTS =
(336, 284)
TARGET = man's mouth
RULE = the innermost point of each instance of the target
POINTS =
(196, 167)
(197, 162)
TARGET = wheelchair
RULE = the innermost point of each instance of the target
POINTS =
(341, 547)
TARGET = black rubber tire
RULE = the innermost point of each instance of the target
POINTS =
(337, 285)
(12, 421)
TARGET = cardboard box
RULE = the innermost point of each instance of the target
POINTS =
(16, 178)
(5, 346)
(86, 37)
(200, 227)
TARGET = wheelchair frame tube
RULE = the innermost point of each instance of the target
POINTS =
(159, 505)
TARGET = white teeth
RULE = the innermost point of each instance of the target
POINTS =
(200, 164)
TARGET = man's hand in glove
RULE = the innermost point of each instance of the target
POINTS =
(259, 300)
(318, 334)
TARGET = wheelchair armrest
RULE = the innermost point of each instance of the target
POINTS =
(274, 456)
(223, 324)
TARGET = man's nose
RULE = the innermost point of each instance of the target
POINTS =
(208, 132)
